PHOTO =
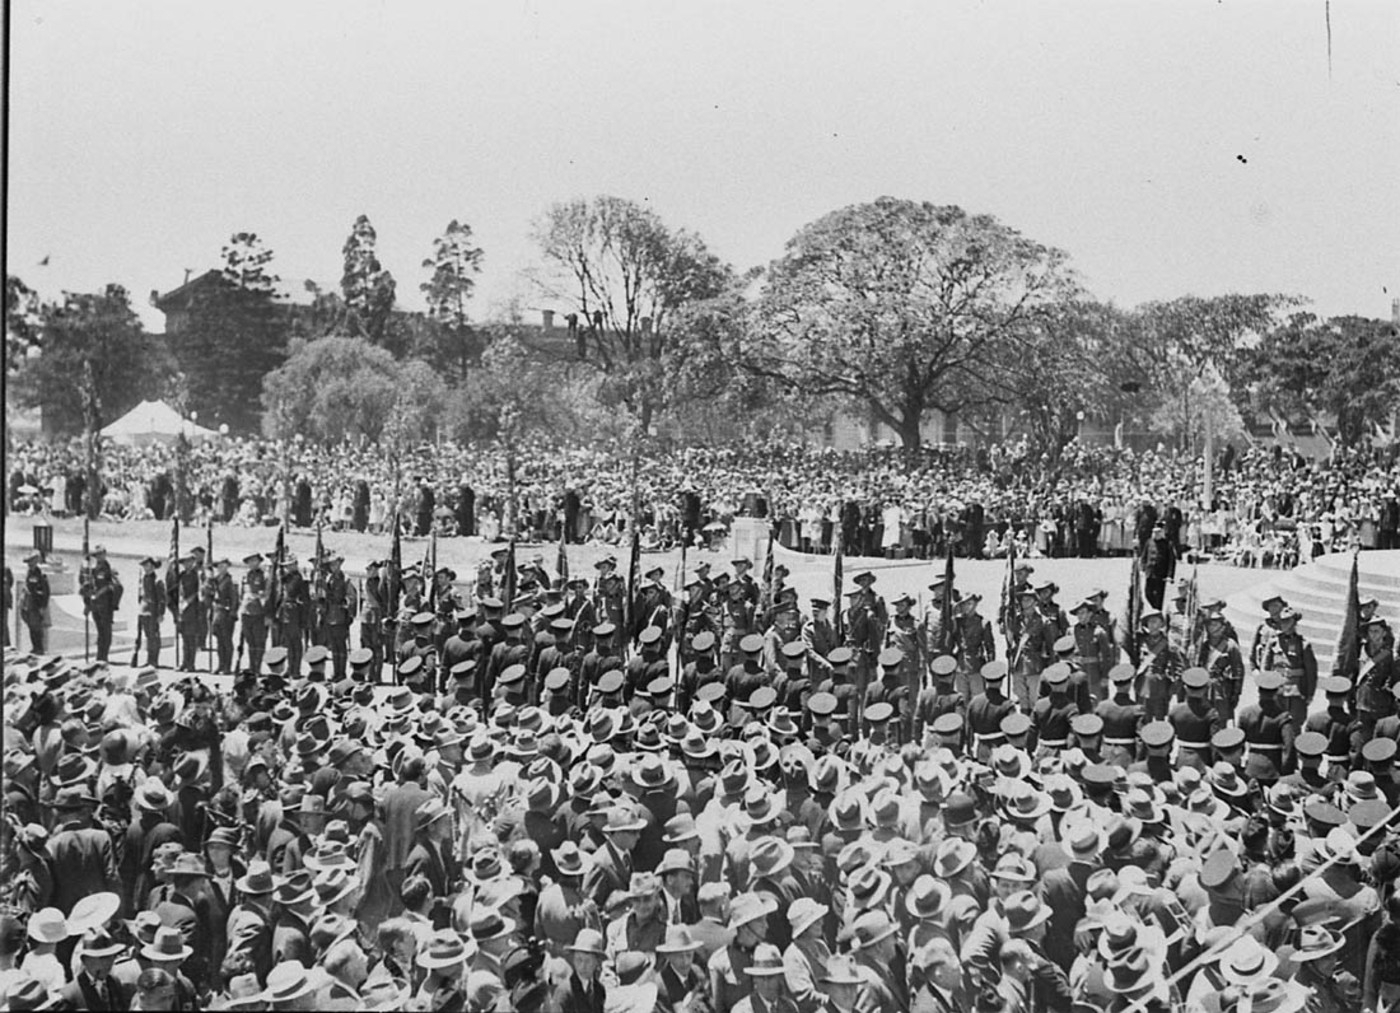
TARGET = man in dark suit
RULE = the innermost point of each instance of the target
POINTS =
(81, 855)
(612, 863)
(95, 987)
(584, 992)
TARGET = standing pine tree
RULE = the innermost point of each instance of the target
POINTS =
(236, 335)
(455, 263)
(368, 288)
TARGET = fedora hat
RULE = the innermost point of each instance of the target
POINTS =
(287, 981)
(589, 941)
(152, 797)
(332, 885)
(1024, 911)
(927, 897)
(445, 949)
(841, 970)
(1272, 995)
(761, 806)
(98, 942)
(1246, 961)
(676, 860)
(486, 866)
(1317, 941)
(188, 864)
(868, 886)
(258, 879)
(769, 856)
(652, 772)
(168, 946)
(748, 907)
(294, 889)
(29, 993)
(1132, 973)
(767, 960)
(870, 928)
(623, 819)
(570, 860)
(680, 827)
(678, 939)
(953, 856)
(328, 854)
(47, 925)
(848, 810)
(1024, 804)
(487, 923)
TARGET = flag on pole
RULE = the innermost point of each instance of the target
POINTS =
(561, 562)
(634, 582)
(765, 597)
(85, 585)
(838, 590)
(1348, 660)
(1009, 612)
(947, 630)
(431, 577)
(508, 578)
(1195, 628)
(395, 572)
(1133, 619)
(172, 594)
(318, 584)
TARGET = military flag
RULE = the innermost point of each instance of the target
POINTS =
(318, 589)
(1195, 629)
(947, 630)
(508, 578)
(1133, 619)
(395, 574)
(838, 590)
(634, 580)
(561, 562)
(84, 581)
(432, 574)
(209, 577)
(1009, 612)
(274, 594)
(172, 593)
(765, 595)
(1349, 644)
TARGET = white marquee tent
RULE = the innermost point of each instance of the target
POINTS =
(155, 422)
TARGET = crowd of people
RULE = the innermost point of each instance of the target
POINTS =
(728, 801)
(1267, 507)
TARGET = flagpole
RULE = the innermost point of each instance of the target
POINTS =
(85, 577)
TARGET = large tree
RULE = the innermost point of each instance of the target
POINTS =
(625, 276)
(367, 287)
(236, 335)
(95, 335)
(1344, 367)
(900, 307)
(455, 263)
(23, 322)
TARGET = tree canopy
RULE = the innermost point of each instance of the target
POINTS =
(899, 307)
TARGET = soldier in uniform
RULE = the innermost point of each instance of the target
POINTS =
(942, 697)
(610, 598)
(1159, 667)
(597, 662)
(653, 606)
(786, 625)
(446, 603)
(1220, 656)
(1050, 612)
(866, 619)
(1030, 650)
(819, 634)
(1266, 632)
(339, 609)
(292, 613)
(411, 602)
(736, 624)
(1267, 725)
(1053, 714)
(838, 684)
(931, 624)
(974, 646)
(1376, 677)
(1195, 720)
(1122, 717)
(1093, 650)
(1289, 653)
(985, 712)
(99, 591)
(907, 635)
(743, 577)
(150, 605)
(252, 610)
(373, 617)
(699, 671)
(1077, 689)
(223, 606)
(892, 689)
(34, 604)
(189, 618)
(1335, 724)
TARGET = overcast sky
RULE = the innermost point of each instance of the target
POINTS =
(1170, 147)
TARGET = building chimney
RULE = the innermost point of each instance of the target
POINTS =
(548, 318)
